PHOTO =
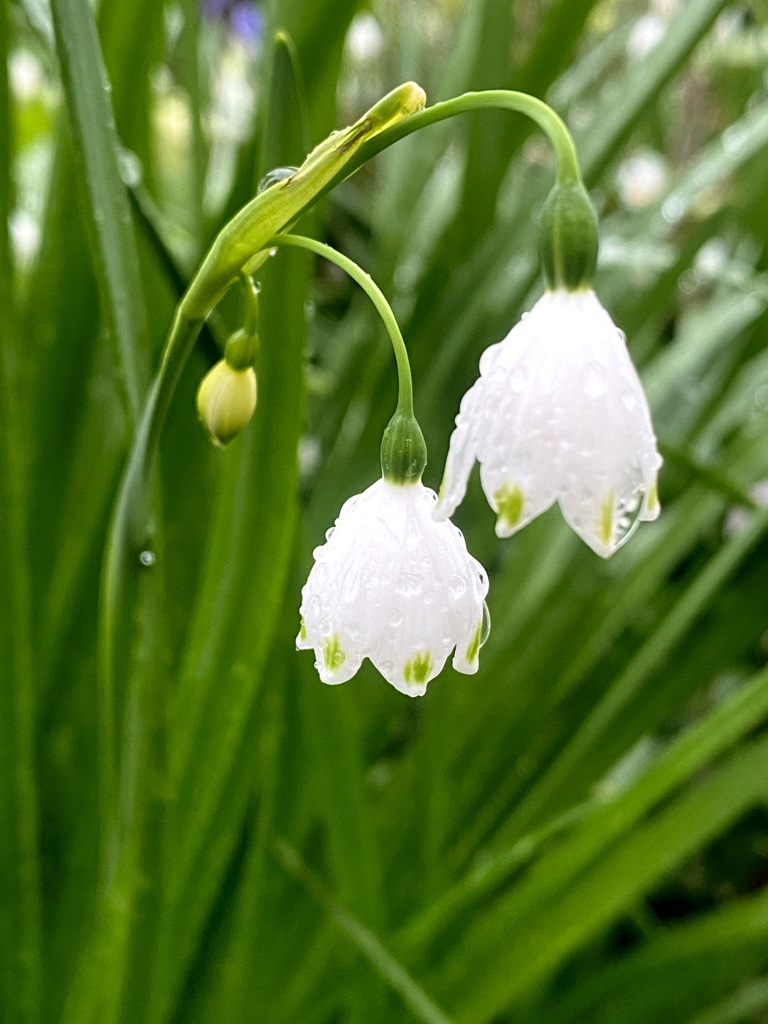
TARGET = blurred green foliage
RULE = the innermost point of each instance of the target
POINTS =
(578, 833)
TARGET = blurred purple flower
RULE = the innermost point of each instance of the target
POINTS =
(244, 18)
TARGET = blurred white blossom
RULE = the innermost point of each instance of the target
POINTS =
(641, 179)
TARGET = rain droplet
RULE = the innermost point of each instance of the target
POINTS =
(485, 627)
(457, 586)
(329, 532)
(131, 170)
(594, 381)
(518, 380)
(147, 558)
(273, 252)
(274, 177)
(408, 584)
(395, 616)
(412, 534)
(309, 308)
(628, 516)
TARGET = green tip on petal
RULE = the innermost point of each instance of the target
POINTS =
(333, 655)
(509, 501)
(418, 668)
(652, 498)
(474, 647)
(606, 519)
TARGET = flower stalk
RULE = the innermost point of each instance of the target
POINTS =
(403, 449)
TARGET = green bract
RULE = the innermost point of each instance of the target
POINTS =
(568, 238)
(403, 450)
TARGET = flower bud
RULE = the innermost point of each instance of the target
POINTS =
(226, 400)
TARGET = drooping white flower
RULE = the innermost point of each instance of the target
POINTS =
(394, 585)
(558, 414)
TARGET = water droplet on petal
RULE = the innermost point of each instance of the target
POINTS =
(594, 381)
(485, 627)
(274, 177)
(395, 616)
(628, 516)
(412, 534)
(408, 584)
(518, 379)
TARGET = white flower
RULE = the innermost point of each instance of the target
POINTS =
(394, 585)
(558, 414)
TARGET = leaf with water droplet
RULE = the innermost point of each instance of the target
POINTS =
(274, 177)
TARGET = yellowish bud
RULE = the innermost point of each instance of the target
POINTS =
(226, 400)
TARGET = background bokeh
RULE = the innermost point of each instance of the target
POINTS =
(577, 833)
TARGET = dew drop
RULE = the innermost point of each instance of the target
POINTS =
(594, 381)
(457, 586)
(395, 616)
(131, 170)
(329, 532)
(273, 252)
(147, 558)
(518, 380)
(628, 516)
(412, 534)
(408, 584)
(274, 177)
(485, 627)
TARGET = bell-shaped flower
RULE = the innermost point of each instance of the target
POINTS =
(558, 414)
(396, 586)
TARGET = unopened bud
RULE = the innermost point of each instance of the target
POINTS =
(226, 400)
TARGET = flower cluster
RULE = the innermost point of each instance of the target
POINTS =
(558, 414)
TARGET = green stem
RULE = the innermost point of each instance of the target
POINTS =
(374, 293)
(568, 171)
